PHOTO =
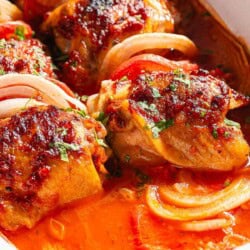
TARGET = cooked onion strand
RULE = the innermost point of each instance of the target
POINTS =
(138, 43)
(240, 193)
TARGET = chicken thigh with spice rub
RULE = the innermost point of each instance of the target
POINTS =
(48, 157)
(86, 30)
(176, 114)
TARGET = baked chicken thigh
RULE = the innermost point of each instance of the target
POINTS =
(86, 30)
(20, 53)
(48, 157)
(159, 110)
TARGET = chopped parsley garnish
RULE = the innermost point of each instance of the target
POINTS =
(127, 158)
(138, 17)
(63, 147)
(148, 107)
(147, 78)
(231, 123)
(99, 141)
(84, 98)
(123, 79)
(34, 72)
(79, 112)
(226, 134)
(181, 77)
(215, 133)
(2, 72)
(141, 177)
(74, 64)
(158, 127)
(2, 43)
(173, 87)
(20, 32)
(62, 131)
(155, 92)
(27, 103)
(203, 113)
(103, 118)
(227, 183)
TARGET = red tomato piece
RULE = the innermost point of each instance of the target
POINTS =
(149, 62)
(15, 29)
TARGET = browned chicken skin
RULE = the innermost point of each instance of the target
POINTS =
(48, 157)
(25, 56)
(86, 30)
(173, 116)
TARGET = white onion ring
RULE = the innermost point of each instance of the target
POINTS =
(46, 91)
(137, 43)
(238, 196)
(204, 225)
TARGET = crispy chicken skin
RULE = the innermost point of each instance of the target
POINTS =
(48, 158)
(26, 56)
(173, 116)
(86, 30)
(34, 10)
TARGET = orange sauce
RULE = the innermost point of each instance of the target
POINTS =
(112, 220)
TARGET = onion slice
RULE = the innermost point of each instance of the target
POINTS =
(187, 200)
(138, 43)
(45, 91)
(204, 225)
(239, 195)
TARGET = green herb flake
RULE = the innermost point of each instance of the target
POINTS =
(20, 32)
(158, 127)
(227, 183)
(203, 113)
(62, 131)
(147, 78)
(138, 17)
(215, 134)
(148, 107)
(74, 64)
(2, 72)
(103, 118)
(123, 79)
(226, 134)
(82, 113)
(84, 98)
(63, 147)
(2, 43)
(142, 177)
(127, 158)
(155, 92)
(99, 141)
(34, 72)
(181, 77)
(173, 87)
(27, 103)
(231, 123)
(177, 72)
